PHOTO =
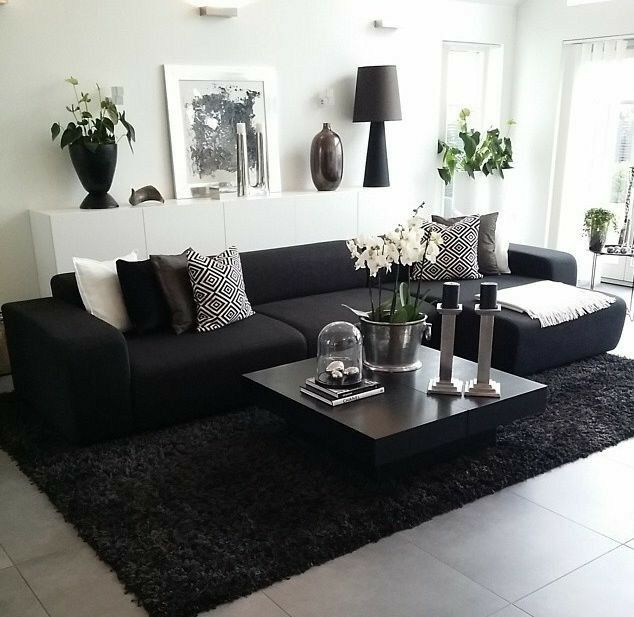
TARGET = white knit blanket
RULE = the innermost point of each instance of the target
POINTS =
(553, 303)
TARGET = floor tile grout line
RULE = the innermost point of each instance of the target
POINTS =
(276, 604)
(39, 601)
(567, 518)
(522, 610)
(420, 548)
(616, 548)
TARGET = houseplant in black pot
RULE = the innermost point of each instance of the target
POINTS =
(596, 223)
(92, 142)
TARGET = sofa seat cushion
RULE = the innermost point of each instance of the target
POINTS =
(311, 313)
(175, 378)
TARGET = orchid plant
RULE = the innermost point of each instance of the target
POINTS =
(407, 244)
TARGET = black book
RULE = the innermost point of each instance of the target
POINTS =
(365, 385)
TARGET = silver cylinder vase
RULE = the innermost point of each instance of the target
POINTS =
(326, 159)
(393, 347)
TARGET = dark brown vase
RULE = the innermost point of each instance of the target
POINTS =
(326, 159)
(598, 237)
(96, 171)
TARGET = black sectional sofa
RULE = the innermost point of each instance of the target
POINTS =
(91, 382)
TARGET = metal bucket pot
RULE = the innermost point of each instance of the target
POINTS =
(393, 348)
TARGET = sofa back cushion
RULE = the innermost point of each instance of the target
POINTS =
(297, 271)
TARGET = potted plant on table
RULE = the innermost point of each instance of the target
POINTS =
(92, 142)
(596, 224)
(394, 327)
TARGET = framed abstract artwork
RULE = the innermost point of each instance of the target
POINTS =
(205, 104)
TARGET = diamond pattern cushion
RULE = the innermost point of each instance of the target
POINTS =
(218, 289)
(458, 257)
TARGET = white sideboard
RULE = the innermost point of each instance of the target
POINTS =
(252, 223)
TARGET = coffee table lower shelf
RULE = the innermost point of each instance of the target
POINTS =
(403, 426)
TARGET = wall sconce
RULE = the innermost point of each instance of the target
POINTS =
(218, 11)
(386, 24)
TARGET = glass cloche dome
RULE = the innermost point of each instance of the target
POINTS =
(339, 355)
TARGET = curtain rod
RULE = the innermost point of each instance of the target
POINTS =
(594, 39)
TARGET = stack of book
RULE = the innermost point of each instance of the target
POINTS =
(341, 396)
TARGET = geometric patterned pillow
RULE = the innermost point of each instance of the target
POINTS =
(458, 257)
(218, 289)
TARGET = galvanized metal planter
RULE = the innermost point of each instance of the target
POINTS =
(393, 348)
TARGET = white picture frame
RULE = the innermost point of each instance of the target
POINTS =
(201, 144)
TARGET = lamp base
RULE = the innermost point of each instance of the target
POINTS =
(377, 173)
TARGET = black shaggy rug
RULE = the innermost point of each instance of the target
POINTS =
(203, 513)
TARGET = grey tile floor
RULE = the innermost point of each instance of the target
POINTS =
(559, 545)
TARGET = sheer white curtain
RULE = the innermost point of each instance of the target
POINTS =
(595, 71)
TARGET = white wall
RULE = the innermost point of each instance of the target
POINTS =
(543, 25)
(313, 45)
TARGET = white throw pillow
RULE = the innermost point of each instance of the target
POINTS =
(100, 290)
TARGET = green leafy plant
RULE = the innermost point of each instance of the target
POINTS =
(93, 128)
(488, 153)
(598, 219)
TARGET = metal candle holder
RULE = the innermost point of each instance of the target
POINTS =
(484, 386)
(444, 383)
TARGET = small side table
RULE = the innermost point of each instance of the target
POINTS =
(604, 253)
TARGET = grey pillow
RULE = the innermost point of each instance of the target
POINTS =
(487, 262)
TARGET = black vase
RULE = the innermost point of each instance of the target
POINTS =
(326, 160)
(96, 171)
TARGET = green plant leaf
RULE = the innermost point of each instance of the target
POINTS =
(108, 124)
(400, 316)
(70, 135)
(404, 296)
(55, 131)
(445, 175)
(470, 144)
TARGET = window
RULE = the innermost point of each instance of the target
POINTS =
(472, 78)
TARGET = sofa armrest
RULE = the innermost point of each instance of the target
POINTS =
(543, 263)
(70, 368)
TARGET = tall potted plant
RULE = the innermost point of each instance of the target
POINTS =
(596, 224)
(489, 153)
(92, 142)
(393, 329)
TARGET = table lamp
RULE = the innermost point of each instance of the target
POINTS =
(376, 101)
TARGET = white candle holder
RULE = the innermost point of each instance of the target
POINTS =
(484, 386)
(445, 383)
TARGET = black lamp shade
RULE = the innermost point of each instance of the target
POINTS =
(377, 97)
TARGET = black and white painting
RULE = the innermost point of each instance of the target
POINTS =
(205, 104)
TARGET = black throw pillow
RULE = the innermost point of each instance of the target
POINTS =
(142, 296)
(173, 277)
(487, 261)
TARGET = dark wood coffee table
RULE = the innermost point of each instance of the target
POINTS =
(404, 424)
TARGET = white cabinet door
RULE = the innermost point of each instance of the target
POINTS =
(257, 224)
(326, 216)
(170, 230)
(96, 234)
